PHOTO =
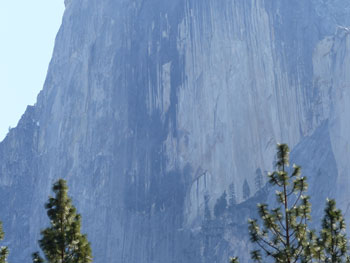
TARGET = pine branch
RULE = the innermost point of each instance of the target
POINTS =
(281, 224)
(277, 233)
(297, 200)
(292, 190)
(266, 250)
(267, 243)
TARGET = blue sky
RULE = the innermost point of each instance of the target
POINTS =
(27, 34)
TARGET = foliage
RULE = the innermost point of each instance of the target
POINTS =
(207, 214)
(333, 234)
(62, 242)
(220, 205)
(232, 200)
(234, 260)
(36, 258)
(3, 250)
(246, 190)
(284, 235)
(259, 181)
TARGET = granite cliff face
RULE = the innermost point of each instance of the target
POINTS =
(152, 109)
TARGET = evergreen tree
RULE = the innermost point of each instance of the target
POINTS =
(234, 260)
(3, 250)
(283, 234)
(333, 234)
(258, 179)
(206, 229)
(207, 214)
(62, 242)
(221, 205)
(246, 190)
(232, 200)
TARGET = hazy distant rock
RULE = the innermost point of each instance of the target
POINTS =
(149, 106)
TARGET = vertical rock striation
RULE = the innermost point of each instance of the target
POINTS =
(152, 109)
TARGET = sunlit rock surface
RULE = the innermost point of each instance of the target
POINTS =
(150, 106)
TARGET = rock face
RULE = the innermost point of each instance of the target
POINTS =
(152, 109)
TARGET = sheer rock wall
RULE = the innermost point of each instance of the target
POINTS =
(149, 106)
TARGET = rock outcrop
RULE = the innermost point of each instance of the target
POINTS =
(152, 109)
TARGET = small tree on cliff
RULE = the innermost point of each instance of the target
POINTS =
(220, 205)
(62, 242)
(246, 190)
(3, 250)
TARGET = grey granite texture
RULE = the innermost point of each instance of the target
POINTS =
(151, 105)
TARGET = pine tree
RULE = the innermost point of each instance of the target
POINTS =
(259, 181)
(333, 234)
(283, 235)
(232, 200)
(234, 260)
(220, 205)
(207, 214)
(246, 190)
(62, 242)
(3, 250)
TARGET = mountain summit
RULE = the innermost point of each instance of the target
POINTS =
(151, 110)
